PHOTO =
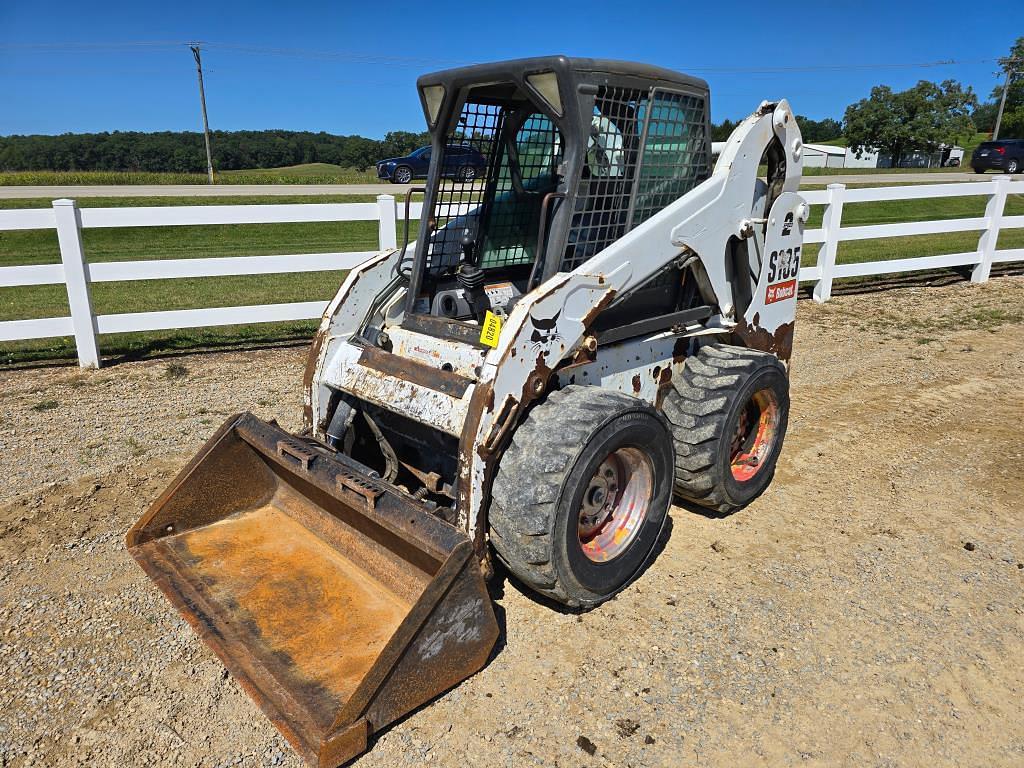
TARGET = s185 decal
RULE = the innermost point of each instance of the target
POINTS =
(784, 265)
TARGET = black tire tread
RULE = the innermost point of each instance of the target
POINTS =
(544, 449)
(697, 408)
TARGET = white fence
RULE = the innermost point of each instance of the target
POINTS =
(982, 257)
(77, 273)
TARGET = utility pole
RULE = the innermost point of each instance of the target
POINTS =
(202, 100)
(1010, 67)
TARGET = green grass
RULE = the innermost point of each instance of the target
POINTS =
(40, 247)
(304, 171)
(310, 173)
(878, 171)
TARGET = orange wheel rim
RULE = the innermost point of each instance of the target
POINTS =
(754, 436)
(615, 504)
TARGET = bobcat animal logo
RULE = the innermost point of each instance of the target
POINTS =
(544, 331)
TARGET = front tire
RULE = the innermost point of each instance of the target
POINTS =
(729, 411)
(402, 175)
(582, 493)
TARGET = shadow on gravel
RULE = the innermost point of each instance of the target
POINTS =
(697, 509)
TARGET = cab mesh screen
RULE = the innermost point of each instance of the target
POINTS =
(459, 201)
(501, 208)
(602, 205)
(644, 152)
(674, 155)
(525, 174)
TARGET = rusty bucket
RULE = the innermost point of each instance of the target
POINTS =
(338, 601)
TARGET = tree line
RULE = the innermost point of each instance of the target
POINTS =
(183, 151)
(921, 118)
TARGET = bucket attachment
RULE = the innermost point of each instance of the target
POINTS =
(338, 601)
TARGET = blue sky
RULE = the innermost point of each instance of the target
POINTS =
(348, 67)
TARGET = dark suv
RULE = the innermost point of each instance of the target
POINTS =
(1002, 155)
(461, 162)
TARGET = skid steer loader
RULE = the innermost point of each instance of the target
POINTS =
(598, 322)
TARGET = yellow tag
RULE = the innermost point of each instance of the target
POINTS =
(491, 330)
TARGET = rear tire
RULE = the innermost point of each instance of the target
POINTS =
(467, 174)
(728, 412)
(978, 170)
(581, 494)
(1012, 167)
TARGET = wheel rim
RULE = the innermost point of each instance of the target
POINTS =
(403, 175)
(615, 504)
(468, 174)
(1012, 167)
(755, 434)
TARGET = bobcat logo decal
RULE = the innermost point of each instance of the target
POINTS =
(544, 331)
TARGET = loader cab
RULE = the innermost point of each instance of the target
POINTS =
(579, 151)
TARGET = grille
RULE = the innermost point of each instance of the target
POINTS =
(514, 218)
(503, 219)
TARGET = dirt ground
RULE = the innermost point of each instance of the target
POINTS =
(868, 610)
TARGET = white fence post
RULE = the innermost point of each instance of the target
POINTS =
(76, 276)
(990, 235)
(830, 223)
(388, 224)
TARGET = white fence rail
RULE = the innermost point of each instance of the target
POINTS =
(76, 273)
(982, 257)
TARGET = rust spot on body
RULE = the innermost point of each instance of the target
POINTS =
(325, 618)
(598, 308)
(636, 384)
(680, 350)
(779, 343)
(407, 369)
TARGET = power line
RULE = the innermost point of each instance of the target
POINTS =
(382, 59)
(835, 67)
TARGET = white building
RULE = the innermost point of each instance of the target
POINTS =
(824, 156)
(827, 156)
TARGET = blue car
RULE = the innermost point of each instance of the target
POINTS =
(461, 162)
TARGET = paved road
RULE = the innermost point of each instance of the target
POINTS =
(944, 177)
(226, 190)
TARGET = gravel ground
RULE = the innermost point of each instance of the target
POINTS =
(867, 610)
